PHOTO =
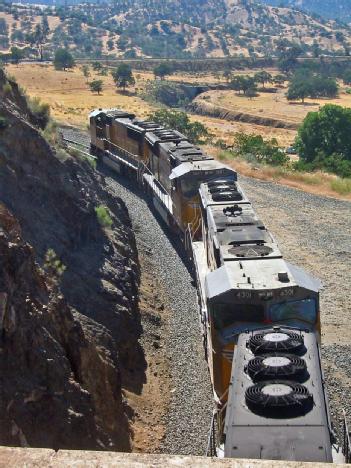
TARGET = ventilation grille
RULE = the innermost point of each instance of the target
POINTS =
(227, 195)
(249, 251)
(279, 399)
(275, 341)
(274, 366)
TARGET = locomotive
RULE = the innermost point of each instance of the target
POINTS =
(247, 294)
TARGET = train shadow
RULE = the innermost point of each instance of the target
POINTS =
(132, 186)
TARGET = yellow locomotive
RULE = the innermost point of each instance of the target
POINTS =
(164, 161)
(243, 282)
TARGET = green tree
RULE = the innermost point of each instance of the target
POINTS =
(244, 83)
(263, 77)
(63, 59)
(298, 89)
(263, 151)
(304, 84)
(180, 121)
(288, 54)
(123, 76)
(324, 139)
(16, 54)
(162, 70)
(86, 72)
(97, 66)
(39, 37)
(279, 79)
(96, 86)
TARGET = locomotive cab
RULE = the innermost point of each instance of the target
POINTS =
(186, 180)
(238, 301)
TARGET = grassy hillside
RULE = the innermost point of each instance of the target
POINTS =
(171, 28)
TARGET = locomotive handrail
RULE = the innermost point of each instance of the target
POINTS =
(346, 446)
(211, 441)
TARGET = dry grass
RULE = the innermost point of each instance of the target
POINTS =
(273, 105)
(319, 183)
(69, 96)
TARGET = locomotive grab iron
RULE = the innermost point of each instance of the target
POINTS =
(259, 314)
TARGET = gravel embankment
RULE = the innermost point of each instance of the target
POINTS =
(188, 420)
(314, 232)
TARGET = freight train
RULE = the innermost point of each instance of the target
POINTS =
(259, 314)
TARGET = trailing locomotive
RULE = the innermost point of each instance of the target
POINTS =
(246, 290)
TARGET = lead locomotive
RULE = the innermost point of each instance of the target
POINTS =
(259, 314)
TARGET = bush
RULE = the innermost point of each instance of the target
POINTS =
(324, 140)
(53, 265)
(255, 149)
(103, 216)
(40, 110)
(3, 122)
(7, 88)
(170, 94)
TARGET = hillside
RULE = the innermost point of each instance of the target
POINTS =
(67, 336)
(334, 9)
(172, 28)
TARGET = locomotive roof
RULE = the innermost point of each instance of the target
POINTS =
(183, 151)
(256, 432)
(256, 275)
(221, 192)
(221, 216)
(163, 135)
(204, 167)
(114, 113)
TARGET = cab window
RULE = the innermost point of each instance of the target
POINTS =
(304, 310)
(225, 315)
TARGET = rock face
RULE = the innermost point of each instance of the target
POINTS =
(66, 351)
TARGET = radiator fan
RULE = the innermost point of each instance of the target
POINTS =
(223, 188)
(250, 250)
(275, 341)
(215, 183)
(273, 366)
(279, 399)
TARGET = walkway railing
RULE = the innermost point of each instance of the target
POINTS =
(346, 445)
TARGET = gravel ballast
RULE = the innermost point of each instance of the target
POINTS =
(189, 416)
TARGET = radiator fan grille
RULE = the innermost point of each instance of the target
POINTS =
(279, 399)
(227, 195)
(269, 342)
(273, 366)
(250, 250)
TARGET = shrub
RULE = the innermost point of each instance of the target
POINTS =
(103, 216)
(53, 265)
(324, 140)
(40, 110)
(255, 148)
(7, 88)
